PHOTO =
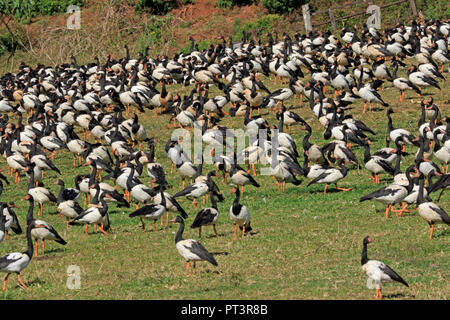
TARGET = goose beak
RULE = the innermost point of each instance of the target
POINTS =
(371, 240)
(172, 221)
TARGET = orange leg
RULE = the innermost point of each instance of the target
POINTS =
(4, 281)
(364, 110)
(431, 231)
(20, 281)
(215, 231)
(235, 232)
(386, 213)
(253, 168)
(43, 247)
(243, 231)
(36, 248)
(325, 190)
(86, 229)
(102, 231)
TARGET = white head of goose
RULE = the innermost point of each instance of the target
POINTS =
(190, 249)
(378, 271)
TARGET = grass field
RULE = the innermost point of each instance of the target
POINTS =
(304, 245)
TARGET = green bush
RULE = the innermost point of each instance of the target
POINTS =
(282, 6)
(49, 7)
(26, 9)
(157, 32)
(231, 3)
(159, 7)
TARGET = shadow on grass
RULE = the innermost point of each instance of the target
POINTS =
(399, 296)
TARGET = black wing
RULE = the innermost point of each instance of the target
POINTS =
(200, 251)
(393, 275)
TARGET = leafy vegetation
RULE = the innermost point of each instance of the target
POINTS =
(26, 9)
(231, 3)
(157, 33)
(159, 7)
(282, 6)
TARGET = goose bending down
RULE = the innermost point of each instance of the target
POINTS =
(42, 230)
(378, 271)
(96, 214)
(152, 211)
(240, 215)
(429, 211)
(39, 194)
(376, 165)
(67, 205)
(403, 84)
(332, 176)
(392, 194)
(197, 189)
(190, 249)
(403, 135)
(369, 93)
(15, 262)
(207, 217)
(140, 192)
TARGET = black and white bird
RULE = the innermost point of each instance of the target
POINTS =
(429, 211)
(207, 217)
(240, 215)
(41, 230)
(378, 271)
(152, 211)
(190, 249)
(15, 262)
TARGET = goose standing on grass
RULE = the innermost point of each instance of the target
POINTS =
(420, 79)
(332, 176)
(190, 249)
(369, 93)
(39, 194)
(403, 135)
(152, 211)
(42, 230)
(240, 215)
(430, 211)
(207, 217)
(376, 165)
(15, 262)
(96, 214)
(392, 194)
(378, 271)
(403, 84)
(67, 205)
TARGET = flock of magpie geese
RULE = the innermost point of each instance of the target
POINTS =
(93, 111)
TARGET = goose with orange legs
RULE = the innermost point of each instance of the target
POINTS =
(392, 194)
(16, 262)
(332, 176)
(190, 249)
(42, 230)
(378, 271)
(240, 215)
(429, 211)
(151, 211)
(207, 217)
(95, 214)
(39, 194)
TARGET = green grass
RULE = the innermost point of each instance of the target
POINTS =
(304, 245)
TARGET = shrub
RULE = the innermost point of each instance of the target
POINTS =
(231, 3)
(159, 7)
(282, 6)
(26, 9)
